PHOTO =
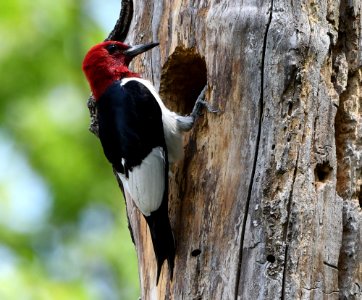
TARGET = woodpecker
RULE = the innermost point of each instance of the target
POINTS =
(139, 135)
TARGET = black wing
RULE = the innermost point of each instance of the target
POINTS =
(130, 124)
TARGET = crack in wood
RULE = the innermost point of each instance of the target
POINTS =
(261, 111)
(319, 288)
(330, 265)
(282, 297)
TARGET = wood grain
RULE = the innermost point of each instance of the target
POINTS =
(267, 201)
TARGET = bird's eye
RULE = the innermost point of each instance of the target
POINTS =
(112, 48)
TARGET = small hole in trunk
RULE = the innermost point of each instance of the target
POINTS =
(270, 258)
(322, 172)
(195, 252)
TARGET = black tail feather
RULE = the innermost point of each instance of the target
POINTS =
(162, 240)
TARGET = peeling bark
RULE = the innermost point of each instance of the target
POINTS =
(266, 203)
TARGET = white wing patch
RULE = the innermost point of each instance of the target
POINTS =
(146, 182)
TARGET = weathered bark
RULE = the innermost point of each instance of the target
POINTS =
(267, 201)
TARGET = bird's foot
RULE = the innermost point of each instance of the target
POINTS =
(200, 104)
(185, 123)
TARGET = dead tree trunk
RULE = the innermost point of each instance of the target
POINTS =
(267, 201)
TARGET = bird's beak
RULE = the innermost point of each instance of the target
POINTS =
(138, 49)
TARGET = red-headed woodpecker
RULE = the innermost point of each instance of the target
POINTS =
(139, 135)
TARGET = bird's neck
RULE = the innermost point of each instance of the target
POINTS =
(100, 81)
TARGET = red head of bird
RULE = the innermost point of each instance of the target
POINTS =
(108, 61)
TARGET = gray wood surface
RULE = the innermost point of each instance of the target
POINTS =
(267, 201)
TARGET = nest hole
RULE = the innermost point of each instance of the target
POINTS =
(360, 196)
(322, 172)
(183, 77)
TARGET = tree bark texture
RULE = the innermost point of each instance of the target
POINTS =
(266, 203)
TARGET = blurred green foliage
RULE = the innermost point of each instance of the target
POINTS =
(81, 249)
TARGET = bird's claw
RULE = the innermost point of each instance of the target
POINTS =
(200, 103)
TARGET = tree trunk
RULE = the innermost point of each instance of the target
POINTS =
(267, 201)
